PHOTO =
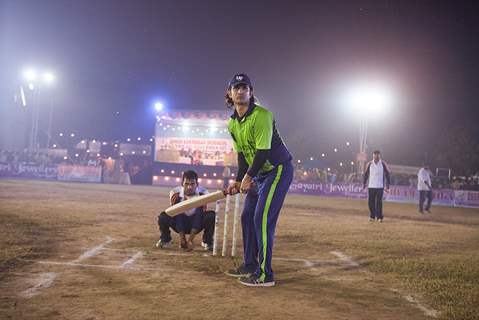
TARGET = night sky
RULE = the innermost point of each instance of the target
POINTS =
(119, 56)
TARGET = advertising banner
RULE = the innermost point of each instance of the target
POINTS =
(79, 173)
(446, 197)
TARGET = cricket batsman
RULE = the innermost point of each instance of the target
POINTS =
(265, 172)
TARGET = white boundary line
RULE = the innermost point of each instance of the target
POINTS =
(427, 311)
(128, 263)
(307, 263)
(86, 265)
(44, 281)
(345, 258)
(93, 251)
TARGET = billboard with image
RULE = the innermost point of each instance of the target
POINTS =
(194, 137)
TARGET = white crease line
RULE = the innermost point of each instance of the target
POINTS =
(93, 251)
(179, 254)
(307, 263)
(85, 265)
(427, 311)
(121, 250)
(345, 258)
(128, 263)
(44, 280)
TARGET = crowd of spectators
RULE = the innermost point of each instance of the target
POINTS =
(46, 159)
(331, 175)
(13, 159)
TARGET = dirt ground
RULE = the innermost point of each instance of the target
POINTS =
(86, 251)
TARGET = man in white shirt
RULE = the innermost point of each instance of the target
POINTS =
(377, 180)
(190, 222)
(424, 187)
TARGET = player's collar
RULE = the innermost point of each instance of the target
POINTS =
(251, 107)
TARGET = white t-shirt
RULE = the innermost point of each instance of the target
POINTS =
(423, 176)
(376, 175)
(181, 190)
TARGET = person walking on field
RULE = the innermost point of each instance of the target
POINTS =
(377, 180)
(424, 187)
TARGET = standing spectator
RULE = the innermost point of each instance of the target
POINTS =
(377, 179)
(425, 188)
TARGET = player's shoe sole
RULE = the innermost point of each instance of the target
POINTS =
(163, 245)
(238, 273)
(256, 282)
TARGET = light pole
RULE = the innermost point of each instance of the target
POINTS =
(35, 85)
(367, 102)
(363, 146)
(49, 78)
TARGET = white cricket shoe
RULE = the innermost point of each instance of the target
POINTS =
(163, 244)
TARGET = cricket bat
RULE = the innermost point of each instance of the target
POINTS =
(194, 202)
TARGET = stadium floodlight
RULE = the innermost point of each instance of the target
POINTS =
(48, 78)
(366, 102)
(158, 106)
(30, 74)
(369, 101)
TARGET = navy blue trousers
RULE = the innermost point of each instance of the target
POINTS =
(261, 210)
(375, 202)
(183, 223)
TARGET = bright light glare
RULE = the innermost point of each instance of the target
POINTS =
(185, 126)
(212, 126)
(158, 106)
(369, 100)
(48, 77)
(30, 74)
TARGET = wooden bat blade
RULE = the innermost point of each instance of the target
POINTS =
(195, 202)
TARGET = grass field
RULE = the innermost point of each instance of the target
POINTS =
(86, 251)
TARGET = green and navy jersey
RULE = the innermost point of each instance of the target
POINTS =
(254, 131)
